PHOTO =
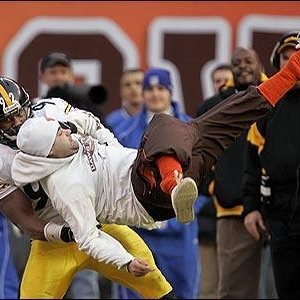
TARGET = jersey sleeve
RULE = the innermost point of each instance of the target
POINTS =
(5, 170)
(6, 182)
(77, 210)
(53, 108)
(89, 124)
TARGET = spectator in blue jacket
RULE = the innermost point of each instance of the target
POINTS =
(175, 245)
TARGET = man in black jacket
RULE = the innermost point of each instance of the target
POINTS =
(225, 184)
(271, 190)
(207, 215)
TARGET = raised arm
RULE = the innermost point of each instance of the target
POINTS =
(222, 124)
(275, 87)
(87, 123)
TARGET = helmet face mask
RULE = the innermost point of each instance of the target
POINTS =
(9, 127)
(15, 108)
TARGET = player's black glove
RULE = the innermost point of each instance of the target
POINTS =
(66, 235)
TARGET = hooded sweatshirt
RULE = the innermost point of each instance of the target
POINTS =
(90, 187)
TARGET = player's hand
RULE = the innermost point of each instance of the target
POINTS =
(138, 267)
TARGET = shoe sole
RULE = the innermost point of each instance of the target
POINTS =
(183, 199)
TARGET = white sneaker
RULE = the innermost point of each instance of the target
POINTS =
(183, 198)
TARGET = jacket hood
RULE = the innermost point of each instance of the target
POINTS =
(27, 168)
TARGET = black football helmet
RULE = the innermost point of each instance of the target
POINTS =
(13, 98)
(289, 39)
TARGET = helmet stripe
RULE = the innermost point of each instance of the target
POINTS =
(68, 108)
(5, 96)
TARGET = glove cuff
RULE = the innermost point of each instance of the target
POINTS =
(52, 232)
(275, 87)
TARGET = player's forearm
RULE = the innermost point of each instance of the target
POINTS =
(275, 87)
(105, 248)
(18, 209)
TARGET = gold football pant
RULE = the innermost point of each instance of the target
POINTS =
(51, 267)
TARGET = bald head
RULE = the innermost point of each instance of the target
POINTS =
(246, 67)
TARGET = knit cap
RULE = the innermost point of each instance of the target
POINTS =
(157, 76)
